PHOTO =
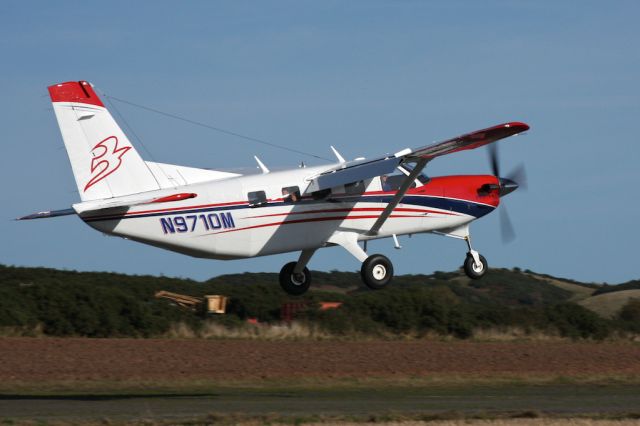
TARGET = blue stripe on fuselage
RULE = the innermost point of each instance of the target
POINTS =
(459, 206)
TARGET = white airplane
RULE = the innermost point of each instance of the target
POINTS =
(218, 215)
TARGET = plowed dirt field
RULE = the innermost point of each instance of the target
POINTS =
(48, 360)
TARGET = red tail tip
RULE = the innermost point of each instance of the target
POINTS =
(74, 91)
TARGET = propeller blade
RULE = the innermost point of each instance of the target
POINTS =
(519, 176)
(493, 158)
(506, 227)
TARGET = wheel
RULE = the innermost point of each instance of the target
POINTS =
(294, 284)
(377, 271)
(473, 270)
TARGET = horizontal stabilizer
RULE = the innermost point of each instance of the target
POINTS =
(124, 202)
(52, 213)
(131, 201)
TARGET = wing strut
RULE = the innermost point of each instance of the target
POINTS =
(406, 184)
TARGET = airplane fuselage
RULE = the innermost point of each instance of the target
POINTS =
(225, 220)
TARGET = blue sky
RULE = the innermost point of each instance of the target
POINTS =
(368, 77)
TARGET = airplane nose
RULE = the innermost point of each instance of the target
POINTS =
(507, 186)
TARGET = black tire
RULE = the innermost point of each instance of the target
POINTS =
(473, 271)
(376, 271)
(294, 285)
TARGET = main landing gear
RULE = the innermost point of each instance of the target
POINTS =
(376, 270)
(295, 278)
(376, 273)
(294, 283)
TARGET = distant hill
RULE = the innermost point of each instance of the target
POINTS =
(579, 291)
(604, 300)
(100, 304)
(609, 304)
(630, 285)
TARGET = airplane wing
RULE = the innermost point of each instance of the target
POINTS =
(470, 140)
(353, 171)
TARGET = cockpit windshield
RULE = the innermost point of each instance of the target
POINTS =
(408, 167)
(393, 181)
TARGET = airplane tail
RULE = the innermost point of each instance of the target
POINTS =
(104, 162)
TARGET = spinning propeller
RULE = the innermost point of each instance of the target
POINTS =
(517, 178)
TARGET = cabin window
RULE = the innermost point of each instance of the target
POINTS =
(291, 194)
(322, 194)
(257, 198)
(354, 187)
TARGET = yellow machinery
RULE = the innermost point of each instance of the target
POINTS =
(210, 304)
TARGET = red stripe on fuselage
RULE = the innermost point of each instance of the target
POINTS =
(313, 219)
(357, 209)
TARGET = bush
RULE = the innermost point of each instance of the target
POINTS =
(411, 309)
(574, 321)
(629, 316)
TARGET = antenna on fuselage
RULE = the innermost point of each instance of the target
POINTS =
(261, 165)
(337, 154)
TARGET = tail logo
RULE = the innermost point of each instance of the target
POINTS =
(107, 158)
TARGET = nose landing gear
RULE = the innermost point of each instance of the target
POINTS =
(475, 269)
(475, 265)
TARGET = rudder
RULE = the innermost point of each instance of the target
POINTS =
(104, 162)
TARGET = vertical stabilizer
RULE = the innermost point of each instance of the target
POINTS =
(104, 162)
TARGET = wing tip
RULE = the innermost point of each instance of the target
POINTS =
(518, 125)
